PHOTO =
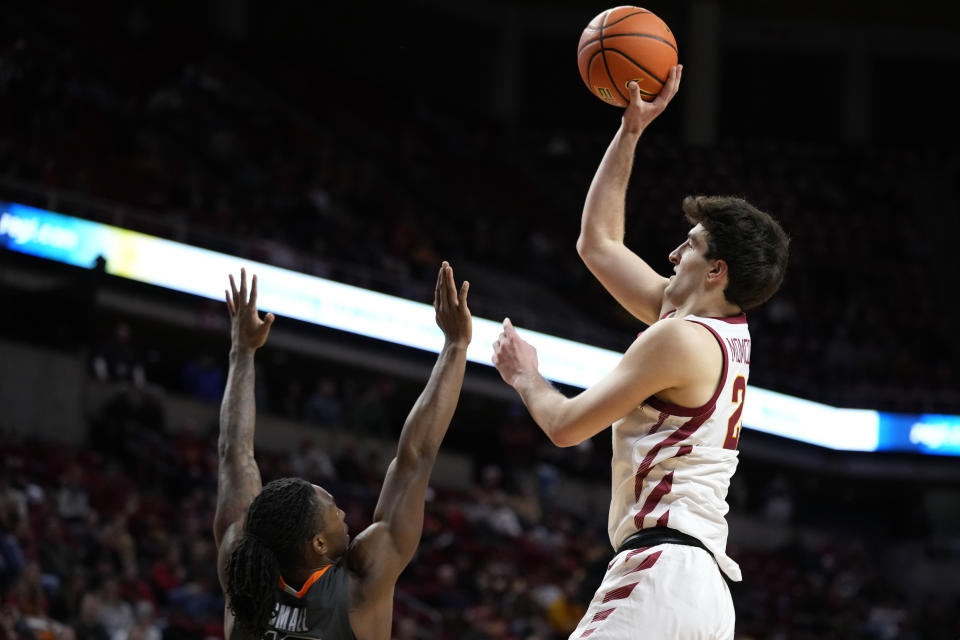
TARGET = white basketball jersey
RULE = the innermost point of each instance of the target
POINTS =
(672, 465)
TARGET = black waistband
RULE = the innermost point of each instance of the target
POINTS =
(665, 535)
(660, 535)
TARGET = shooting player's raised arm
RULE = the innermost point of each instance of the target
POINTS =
(624, 274)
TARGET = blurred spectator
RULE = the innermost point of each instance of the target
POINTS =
(53, 554)
(13, 626)
(347, 461)
(291, 403)
(115, 613)
(69, 598)
(119, 551)
(117, 359)
(502, 518)
(131, 425)
(443, 590)
(323, 406)
(204, 378)
(28, 594)
(73, 502)
(197, 600)
(168, 572)
(565, 607)
(366, 410)
(145, 626)
(518, 438)
(525, 502)
(779, 500)
(406, 629)
(134, 588)
(89, 626)
(12, 560)
(192, 450)
(313, 463)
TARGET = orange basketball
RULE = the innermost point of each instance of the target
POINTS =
(624, 44)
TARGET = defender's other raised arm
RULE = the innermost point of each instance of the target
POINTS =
(238, 478)
(628, 278)
(385, 548)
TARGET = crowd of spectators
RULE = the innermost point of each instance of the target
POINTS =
(107, 543)
(230, 146)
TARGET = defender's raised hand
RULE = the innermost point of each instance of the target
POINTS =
(640, 113)
(247, 330)
(452, 313)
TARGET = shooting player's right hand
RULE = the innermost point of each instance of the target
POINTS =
(639, 113)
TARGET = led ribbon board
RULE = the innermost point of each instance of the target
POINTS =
(201, 272)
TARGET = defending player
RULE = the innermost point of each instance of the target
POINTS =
(284, 555)
(674, 399)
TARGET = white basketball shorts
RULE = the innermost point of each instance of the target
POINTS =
(669, 591)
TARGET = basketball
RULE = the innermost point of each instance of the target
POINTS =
(624, 44)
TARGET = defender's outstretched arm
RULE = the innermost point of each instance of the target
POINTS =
(382, 551)
(238, 477)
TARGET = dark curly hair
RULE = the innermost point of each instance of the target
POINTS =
(753, 244)
(280, 522)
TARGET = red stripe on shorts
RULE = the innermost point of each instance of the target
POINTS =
(635, 552)
(648, 562)
(620, 592)
(628, 556)
(603, 615)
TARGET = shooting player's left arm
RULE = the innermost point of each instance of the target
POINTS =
(660, 359)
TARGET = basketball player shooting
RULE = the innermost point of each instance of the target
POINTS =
(284, 555)
(674, 399)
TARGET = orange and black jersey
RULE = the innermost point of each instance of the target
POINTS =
(320, 609)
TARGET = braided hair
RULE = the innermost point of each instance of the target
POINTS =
(279, 523)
